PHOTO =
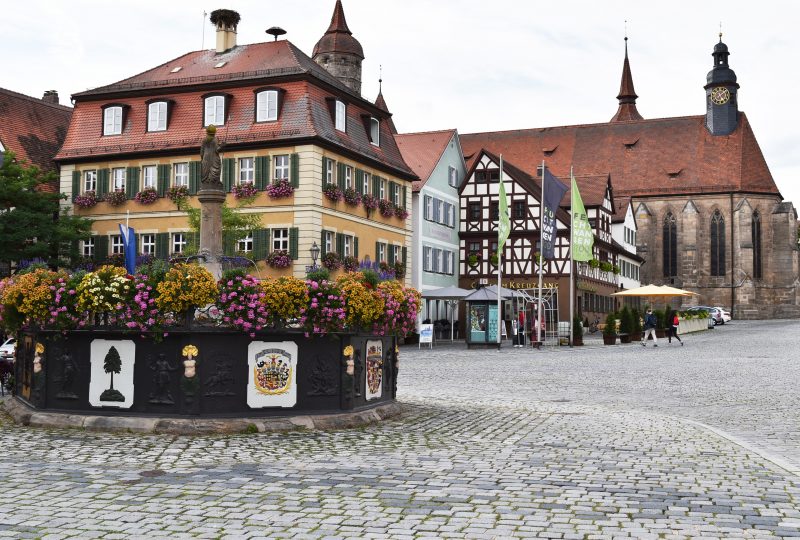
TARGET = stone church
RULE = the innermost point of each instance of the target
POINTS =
(710, 218)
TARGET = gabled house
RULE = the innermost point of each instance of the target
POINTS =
(298, 139)
(438, 161)
(623, 232)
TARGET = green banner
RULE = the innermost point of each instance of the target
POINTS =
(582, 235)
(503, 225)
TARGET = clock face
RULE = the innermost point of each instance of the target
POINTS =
(720, 95)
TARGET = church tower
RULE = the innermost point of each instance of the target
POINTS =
(722, 111)
(339, 52)
(627, 95)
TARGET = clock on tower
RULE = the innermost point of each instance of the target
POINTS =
(722, 114)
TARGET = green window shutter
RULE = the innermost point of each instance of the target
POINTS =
(228, 243)
(76, 184)
(325, 170)
(262, 172)
(138, 242)
(294, 170)
(228, 172)
(322, 243)
(293, 236)
(260, 243)
(360, 181)
(131, 182)
(405, 262)
(377, 251)
(340, 175)
(162, 246)
(100, 248)
(405, 197)
(376, 186)
(162, 180)
(355, 247)
(102, 182)
(194, 177)
(340, 244)
(392, 187)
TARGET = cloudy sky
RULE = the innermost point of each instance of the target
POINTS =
(467, 64)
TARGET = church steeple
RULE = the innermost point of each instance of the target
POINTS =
(339, 52)
(627, 95)
(722, 110)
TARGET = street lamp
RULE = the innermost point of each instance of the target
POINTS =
(314, 254)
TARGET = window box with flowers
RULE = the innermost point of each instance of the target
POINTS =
(280, 189)
(493, 259)
(332, 192)
(400, 212)
(350, 263)
(116, 198)
(279, 259)
(178, 194)
(245, 190)
(386, 208)
(473, 259)
(369, 202)
(352, 197)
(147, 196)
(331, 260)
(86, 200)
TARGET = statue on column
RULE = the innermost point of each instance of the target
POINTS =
(210, 168)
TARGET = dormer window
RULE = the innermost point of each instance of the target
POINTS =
(214, 110)
(341, 116)
(374, 131)
(267, 106)
(157, 116)
(112, 120)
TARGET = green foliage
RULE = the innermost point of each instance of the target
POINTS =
(251, 428)
(319, 274)
(235, 223)
(610, 328)
(625, 321)
(232, 273)
(370, 277)
(637, 321)
(661, 318)
(577, 328)
(155, 271)
(30, 224)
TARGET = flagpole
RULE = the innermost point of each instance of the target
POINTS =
(571, 263)
(540, 260)
(499, 262)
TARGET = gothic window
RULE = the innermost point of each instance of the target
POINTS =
(717, 244)
(670, 246)
(756, 231)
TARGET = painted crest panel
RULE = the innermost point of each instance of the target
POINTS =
(272, 380)
(111, 377)
(374, 371)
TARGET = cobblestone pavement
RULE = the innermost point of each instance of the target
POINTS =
(593, 442)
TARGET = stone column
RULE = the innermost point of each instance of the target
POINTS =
(211, 229)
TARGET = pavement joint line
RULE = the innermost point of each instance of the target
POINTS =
(769, 456)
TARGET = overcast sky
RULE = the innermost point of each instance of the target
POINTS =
(474, 65)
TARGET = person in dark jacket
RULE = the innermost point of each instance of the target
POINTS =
(650, 323)
(673, 328)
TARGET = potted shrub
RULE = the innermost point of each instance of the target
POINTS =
(473, 259)
(610, 329)
(594, 263)
(493, 259)
(661, 319)
(606, 266)
(636, 325)
(577, 331)
(625, 325)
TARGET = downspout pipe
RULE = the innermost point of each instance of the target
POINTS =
(733, 260)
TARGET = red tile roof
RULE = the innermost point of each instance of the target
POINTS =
(422, 151)
(644, 158)
(31, 128)
(304, 113)
(338, 38)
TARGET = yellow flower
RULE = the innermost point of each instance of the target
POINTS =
(348, 351)
(186, 286)
(363, 306)
(39, 348)
(284, 297)
(190, 350)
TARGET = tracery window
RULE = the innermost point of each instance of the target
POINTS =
(756, 232)
(717, 244)
(670, 246)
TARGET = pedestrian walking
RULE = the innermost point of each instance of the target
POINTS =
(650, 323)
(673, 329)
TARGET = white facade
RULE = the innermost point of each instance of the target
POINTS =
(624, 233)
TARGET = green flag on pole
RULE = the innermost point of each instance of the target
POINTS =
(582, 236)
(503, 225)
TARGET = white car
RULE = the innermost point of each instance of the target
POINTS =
(7, 349)
(726, 316)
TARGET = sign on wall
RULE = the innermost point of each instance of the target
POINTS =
(111, 376)
(272, 379)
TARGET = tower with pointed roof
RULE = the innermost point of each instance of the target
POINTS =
(339, 52)
(722, 111)
(627, 95)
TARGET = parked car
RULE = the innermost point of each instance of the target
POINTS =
(726, 315)
(7, 348)
(715, 314)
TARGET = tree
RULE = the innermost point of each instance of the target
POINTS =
(30, 224)
(112, 364)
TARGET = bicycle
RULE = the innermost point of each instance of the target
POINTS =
(593, 326)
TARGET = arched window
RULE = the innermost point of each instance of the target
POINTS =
(717, 244)
(756, 231)
(670, 246)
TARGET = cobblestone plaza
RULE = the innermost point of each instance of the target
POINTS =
(594, 442)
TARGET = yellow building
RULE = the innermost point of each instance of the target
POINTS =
(291, 130)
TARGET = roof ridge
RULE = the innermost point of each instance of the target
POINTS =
(571, 126)
(451, 130)
(36, 100)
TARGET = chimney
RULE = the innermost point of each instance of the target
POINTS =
(226, 21)
(50, 96)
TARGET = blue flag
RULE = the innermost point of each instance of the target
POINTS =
(553, 193)
(129, 245)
